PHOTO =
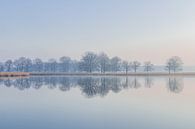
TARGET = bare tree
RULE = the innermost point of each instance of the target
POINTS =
(20, 64)
(126, 66)
(52, 65)
(103, 61)
(1, 67)
(115, 64)
(89, 62)
(38, 65)
(65, 63)
(148, 66)
(135, 65)
(28, 65)
(8, 65)
(174, 64)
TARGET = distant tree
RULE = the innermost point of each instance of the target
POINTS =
(126, 66)
(103, 61)
(65, 63)
(174, 64)
(8, 65)
(23, 64)
(46, 67)
(135, 65)
(115, 64)
(148, 66)
(16, 65)
(20, 64)
(28, 65)
(52, 64)
(1, 67)
(38, 65)
(74, 66)
(89, 62)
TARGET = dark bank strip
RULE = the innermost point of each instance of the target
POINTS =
(15, 74)
(114, 74)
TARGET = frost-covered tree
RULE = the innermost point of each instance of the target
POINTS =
(103, 61)
(1, 67)
(23, 64)
(89, 62)
(65, 63)
(28, 65)
(52, 64)
(8, 65)
(148, 66)
(38, 65)
(135, 65)
(126, 66)
(16, 65)
(20, 64)
(74, 66)
(115, 64)
(174, 64)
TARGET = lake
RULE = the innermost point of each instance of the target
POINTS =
(62, 102)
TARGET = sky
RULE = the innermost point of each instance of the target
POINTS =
(131, 29)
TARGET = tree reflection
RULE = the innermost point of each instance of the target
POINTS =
(104, 88)
(7, 83)
(148, 82)
(115, 84)
(22, 83)
(52, 82)
(135, 83)
(175, 84)
(125, 83)
(89, 86)
(37, 82)
(64, 84)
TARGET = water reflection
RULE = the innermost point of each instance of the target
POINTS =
(175, 84)
(135, 83)
(148, 82)
(90, 86)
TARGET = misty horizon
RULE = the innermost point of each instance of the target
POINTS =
(137, 30)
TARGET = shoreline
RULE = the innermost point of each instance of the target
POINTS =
(115, 74)
(26, 74)
(14, 74)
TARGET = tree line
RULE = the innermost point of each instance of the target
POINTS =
(90, 62)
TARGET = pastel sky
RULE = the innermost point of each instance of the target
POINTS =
(131, 29)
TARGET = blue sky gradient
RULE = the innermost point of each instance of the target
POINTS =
(132, 29)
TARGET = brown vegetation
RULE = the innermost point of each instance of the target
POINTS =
(13, 74)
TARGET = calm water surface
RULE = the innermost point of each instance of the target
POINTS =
(97, 103)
